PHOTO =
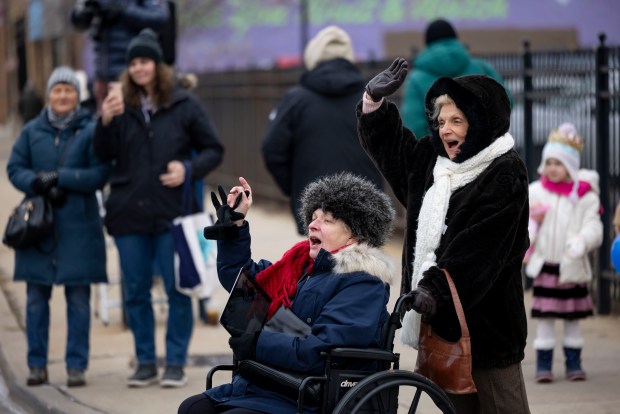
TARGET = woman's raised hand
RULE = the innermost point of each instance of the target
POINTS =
(388, 81)
(240, 198)
(111, 106)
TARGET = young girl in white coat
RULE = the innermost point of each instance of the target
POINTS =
(565, 225)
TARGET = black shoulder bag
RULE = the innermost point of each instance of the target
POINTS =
(33, 219)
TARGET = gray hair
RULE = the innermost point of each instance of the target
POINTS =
(439, 103)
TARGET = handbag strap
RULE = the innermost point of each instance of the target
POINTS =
(61, 159)
(457, 305)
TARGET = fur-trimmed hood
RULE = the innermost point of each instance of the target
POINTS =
(591, 177)
(484, 102)
(362, 257)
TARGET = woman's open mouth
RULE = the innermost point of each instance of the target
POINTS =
(452, 144)
(314, 241)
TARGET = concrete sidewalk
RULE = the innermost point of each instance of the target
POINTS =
(273, 232)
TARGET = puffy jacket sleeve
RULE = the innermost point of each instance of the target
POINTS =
(232, 255)
(19, 166)
(89, 177)
(591, 230)
(107, 139)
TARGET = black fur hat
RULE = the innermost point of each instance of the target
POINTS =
(363, 207)
(484, 102)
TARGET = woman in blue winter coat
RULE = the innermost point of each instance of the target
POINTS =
(336, 281)
(53, 156)
(157, 135)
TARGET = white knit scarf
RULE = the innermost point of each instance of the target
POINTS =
(448, 177)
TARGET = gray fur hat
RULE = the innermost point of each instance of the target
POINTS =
(363, 207)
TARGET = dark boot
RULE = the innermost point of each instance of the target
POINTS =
(544, 361)
(37, 376)
(573, 364)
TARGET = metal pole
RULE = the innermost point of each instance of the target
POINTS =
(602, 162)
(303, 27)
(528, 130)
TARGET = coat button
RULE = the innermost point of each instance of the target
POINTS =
(309, 321)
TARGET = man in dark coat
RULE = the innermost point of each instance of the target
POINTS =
(312, 131)
(466, 194)
(112, 24)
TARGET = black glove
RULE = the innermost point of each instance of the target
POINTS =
(44, 181)
(244, 346)
(57, 196)
(224, 228)
(388, 81)
(421, 301)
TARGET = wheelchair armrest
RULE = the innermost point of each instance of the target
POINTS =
(213, 370)
(376, 354)
(287, 383)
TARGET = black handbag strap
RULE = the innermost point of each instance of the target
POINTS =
(61, 159)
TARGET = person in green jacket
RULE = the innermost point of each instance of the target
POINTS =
(445, 56)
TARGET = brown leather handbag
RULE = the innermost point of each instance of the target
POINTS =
(447, 364)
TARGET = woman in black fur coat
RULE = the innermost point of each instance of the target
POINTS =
(465, 189)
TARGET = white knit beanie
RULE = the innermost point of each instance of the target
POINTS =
(565, 145)
(330, 43)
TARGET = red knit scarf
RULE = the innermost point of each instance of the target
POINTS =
(565, 188)
(280, 279)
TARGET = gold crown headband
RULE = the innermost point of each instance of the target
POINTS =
(567, 138)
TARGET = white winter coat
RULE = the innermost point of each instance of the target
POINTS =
(568, 231)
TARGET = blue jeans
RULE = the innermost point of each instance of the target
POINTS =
(38, 324)
(138, 254)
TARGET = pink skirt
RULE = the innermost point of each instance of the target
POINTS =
(552, 300)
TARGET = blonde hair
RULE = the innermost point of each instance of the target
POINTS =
(164, 84)
(439, 103)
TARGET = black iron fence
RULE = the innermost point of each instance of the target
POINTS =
(548, 88)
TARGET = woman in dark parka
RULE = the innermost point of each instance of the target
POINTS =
(75, 255)
(465, 190)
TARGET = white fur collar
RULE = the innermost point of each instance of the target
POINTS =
(362, 257)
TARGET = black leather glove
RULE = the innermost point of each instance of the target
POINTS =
(44, 181)
(244, 346)
(421, 301)
(57, 196)
(388, 81)
(224, 228)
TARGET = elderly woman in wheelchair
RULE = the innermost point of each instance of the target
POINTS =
(336, 281)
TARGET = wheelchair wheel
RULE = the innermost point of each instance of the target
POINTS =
(385, 391)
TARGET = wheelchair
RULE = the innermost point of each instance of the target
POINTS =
(387, 390)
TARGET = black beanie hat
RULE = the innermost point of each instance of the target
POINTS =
(145, 45)
(439, 29)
